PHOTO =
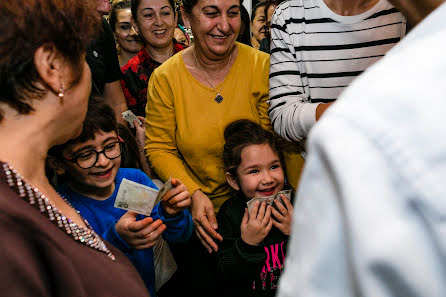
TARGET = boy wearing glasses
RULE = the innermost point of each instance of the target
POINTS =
(90, 166)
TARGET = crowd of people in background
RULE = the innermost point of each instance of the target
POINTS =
(230, 105)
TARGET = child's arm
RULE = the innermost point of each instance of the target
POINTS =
(283, 218)
(239, 260)
(172, 210)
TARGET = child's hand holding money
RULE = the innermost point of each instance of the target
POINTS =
(175, 199)
(256, 226)
(283, 217)
(140, 234)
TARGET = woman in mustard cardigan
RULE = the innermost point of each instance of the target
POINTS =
(193, 96)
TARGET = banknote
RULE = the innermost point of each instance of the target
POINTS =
(129, 116)
(164, 189)
(286, 193)
(269, 199)
(136, 197)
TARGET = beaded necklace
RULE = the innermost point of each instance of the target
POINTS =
(32, 195)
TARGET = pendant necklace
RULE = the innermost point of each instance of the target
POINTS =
(219, 97)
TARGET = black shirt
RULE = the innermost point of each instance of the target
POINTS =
(103, 59)
(250, 270)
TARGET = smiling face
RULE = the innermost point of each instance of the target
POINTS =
(156, 22)
(260, 173)
(125, 35)
(215, 25)
(99, 180)
(258, 24)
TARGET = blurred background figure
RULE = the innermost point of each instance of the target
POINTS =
(270, 7)
(103, 61)
(181, 36)
(127, 39)
(258, 22)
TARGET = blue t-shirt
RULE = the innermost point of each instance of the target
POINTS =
(102, 216)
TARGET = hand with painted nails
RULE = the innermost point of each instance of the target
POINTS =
(205, 221)
(177, 199)
(283, 215)
(140, 234)
(256, 225)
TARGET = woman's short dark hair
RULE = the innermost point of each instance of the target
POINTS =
(244, 35)
(27, 25)
(189, 4)
(113, 18)
(254, 10)
(243, 133)
(135, 5)
(269, 3)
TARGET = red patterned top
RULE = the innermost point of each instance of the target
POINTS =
(135, 77)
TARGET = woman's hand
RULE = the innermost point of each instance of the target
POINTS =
(283, 218)
(141, 234)
(256, 226)
(205, 222)
(177, 199)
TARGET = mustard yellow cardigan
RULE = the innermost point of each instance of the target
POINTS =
(184, 125)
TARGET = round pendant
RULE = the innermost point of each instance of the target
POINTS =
(218, 98)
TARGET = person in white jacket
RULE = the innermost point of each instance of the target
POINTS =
(370, 213)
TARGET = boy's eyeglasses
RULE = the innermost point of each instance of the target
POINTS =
(88, 159)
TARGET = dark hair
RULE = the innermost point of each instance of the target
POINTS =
(254, 10)
(27, 25)
(245, 30)
(189, 4)
(269, 3)
(130, 154)
(113, 18)
(243, 133)
(135, 5)
(100, 116)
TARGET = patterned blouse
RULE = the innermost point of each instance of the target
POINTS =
(135, 77)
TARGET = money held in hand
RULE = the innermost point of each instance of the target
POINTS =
(129, 116)
(136, 197)
(164, 189)
(268, 199)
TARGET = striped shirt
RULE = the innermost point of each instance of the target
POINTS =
(316, 53)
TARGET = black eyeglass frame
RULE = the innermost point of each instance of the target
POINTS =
(75, 159)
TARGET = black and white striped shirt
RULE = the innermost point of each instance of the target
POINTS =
(316, 53)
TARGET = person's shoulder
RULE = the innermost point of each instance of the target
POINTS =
(132, 64)
(170, 70)
(136, 175)
(288, 8)
(171, 65)
(229, 206)
(251, 55)
(129, 173)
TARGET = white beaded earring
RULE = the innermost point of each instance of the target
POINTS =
(61, 93)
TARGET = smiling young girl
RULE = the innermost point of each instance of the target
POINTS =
(252, 253)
